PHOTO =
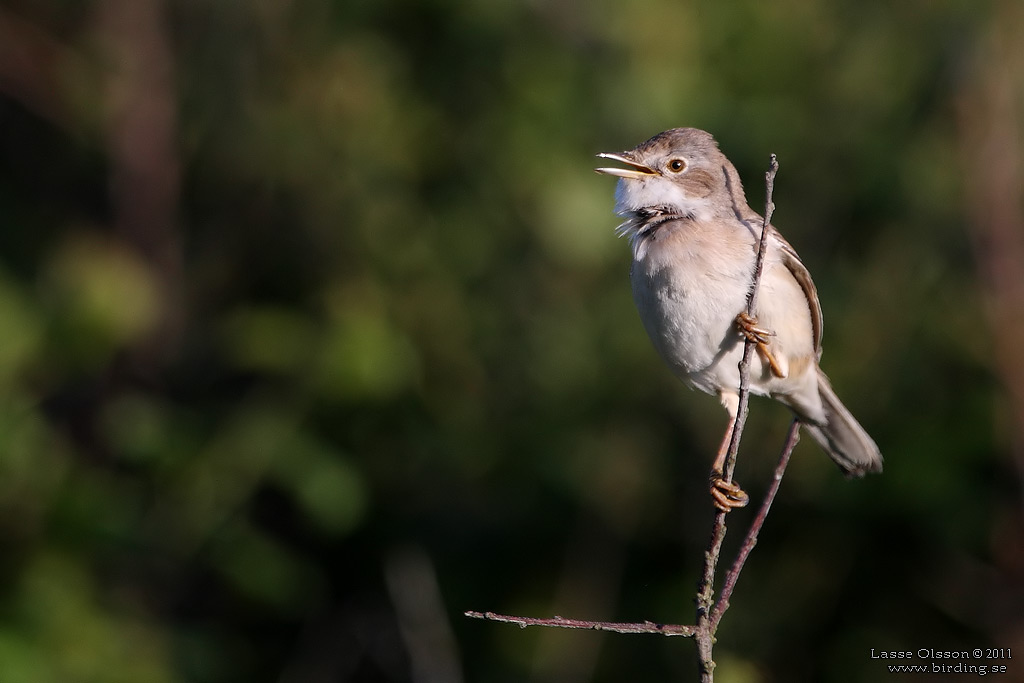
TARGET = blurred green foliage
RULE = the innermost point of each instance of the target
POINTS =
(314, 333)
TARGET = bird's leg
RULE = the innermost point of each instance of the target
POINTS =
(726, 495)
(747, 325)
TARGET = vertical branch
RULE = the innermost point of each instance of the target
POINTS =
(750, 540)
(748, 348)
(706, 624)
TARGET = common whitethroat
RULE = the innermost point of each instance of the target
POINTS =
(694, 241)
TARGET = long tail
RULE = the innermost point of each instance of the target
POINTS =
(842, 437)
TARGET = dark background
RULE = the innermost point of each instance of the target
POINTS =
(314, 333)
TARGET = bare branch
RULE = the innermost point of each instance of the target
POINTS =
(561, 622)
(748, 348)
(706, 624)
(750, 540)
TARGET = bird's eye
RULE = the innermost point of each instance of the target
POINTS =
(676, 165)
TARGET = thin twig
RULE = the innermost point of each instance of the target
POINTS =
(562, 622)
(706, 625)
(750, 540)
(748, 347)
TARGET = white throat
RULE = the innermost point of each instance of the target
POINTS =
(635, 195)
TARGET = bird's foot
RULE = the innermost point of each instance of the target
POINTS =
(747, 325)
(727, 495)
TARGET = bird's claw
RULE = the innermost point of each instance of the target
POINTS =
(747, 325)
(727, 495)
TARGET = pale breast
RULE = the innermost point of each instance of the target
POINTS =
(689, 283)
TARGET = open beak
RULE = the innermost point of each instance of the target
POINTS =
(635, 171)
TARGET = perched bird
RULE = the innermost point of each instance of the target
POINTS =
(694, 241)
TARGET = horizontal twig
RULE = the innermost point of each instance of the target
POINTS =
(561, 622)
